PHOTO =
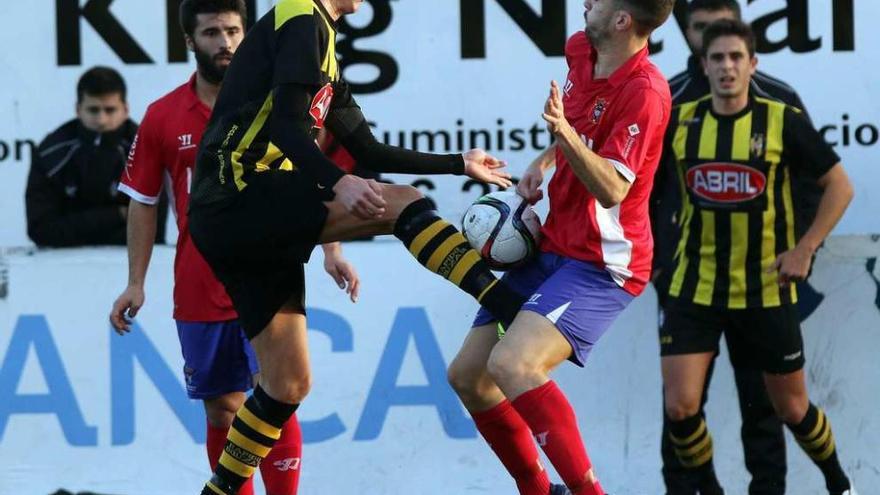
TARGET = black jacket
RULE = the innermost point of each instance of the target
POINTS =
(71, 196)
(689, 85)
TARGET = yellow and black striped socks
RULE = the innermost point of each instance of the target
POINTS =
(692, 444)
(441, 248)
(814, 436)
(256, 428)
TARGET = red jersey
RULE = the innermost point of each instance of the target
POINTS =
(164, 151)
(622, 119)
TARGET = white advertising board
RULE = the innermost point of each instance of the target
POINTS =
(438, 75)
(85, 409)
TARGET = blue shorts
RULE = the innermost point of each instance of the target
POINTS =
(579, 298)
(217, 358)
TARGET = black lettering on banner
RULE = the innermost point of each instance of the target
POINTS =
(547, 31)
(798, 36)
(866, 134)
(843, 17)
(386, 65)
(97, 13)
(18, 150)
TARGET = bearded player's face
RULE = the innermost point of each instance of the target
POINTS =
(214, 41)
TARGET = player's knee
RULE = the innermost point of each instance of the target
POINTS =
(461, 377)
(791, 411)
(681, 409)
(221, 411)
(293, 390)
(505, 367)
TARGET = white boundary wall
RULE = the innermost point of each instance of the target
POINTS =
(125, 417)
(436, 88)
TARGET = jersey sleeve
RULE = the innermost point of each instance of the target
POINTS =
(298, 53)
(142, 177)
(639, 123)
(804, 146)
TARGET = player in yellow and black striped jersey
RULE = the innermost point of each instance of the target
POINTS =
(738, 212)
(738, 253)
(263, 195)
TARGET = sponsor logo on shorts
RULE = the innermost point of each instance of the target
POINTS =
(792, 356)
(665, 339)
(541, 438)
(533, 299)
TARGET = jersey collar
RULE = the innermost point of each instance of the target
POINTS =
(623, 72)
(193, 97)
(326, 15)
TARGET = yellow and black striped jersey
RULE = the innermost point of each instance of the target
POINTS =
(294, 43)
(738, 209)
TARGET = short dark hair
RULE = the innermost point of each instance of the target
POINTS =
(729, 27)
(100, 81)
(714, 6)
(189, 9)
(647, 14)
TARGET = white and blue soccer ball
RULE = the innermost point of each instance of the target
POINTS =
(503, 228)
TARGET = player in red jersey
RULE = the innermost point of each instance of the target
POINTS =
(609, 120)
(219, 361)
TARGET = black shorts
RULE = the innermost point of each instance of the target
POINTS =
(766, 338)
(257, 243)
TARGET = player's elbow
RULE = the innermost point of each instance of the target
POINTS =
(612, 197)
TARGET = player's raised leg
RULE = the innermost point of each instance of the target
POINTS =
(434, 242)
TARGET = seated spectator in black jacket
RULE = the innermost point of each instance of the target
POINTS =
(71, 196)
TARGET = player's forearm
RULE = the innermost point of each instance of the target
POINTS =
(836, 196)
(595, 173)
(332, 248)
(546, 160)
(381, 157)
(141, 230)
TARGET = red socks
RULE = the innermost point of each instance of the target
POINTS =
(551, 419)
(215, 444)
(511, 440)
(280, 469)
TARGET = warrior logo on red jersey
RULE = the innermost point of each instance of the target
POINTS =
(321, 105)
(726, 182)
(598, 110)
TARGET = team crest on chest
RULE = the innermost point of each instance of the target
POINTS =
(757, 145)
(321, 105)
(598, 110)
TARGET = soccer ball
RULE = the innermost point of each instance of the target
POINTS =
(503, 228)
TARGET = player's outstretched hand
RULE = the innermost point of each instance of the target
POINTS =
(341, 271)
(554, 112)
(126, 307)
(530, 183)
(481, 166)
(361, 197)
(792, 265)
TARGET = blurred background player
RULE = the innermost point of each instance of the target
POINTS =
(219, 362)
(71, 195)
(762, 434)
(738, 256)
(609, 120)
(264, 195)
